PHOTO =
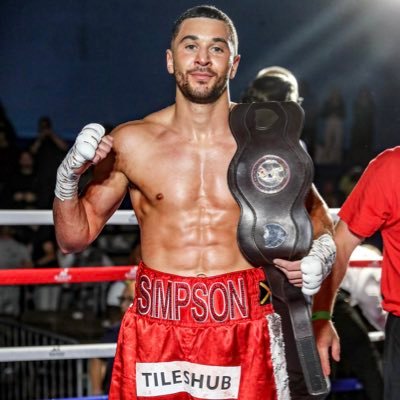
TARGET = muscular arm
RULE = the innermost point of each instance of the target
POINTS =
(79, 220)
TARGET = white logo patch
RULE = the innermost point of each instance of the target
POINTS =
(201, 381)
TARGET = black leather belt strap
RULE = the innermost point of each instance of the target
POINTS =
(270, 176)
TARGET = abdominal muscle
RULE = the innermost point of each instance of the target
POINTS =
(199, 242)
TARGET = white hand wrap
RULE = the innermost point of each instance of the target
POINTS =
(317, 265)
(83, 150)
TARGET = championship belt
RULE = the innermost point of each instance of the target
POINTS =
(270, 176)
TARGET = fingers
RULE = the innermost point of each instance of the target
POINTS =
(325, 364)
(324, 339)
(336, 350)
(291, 269)
(103, 149)
(287, 265)
(306, 273)
(323, 351)
(294, 277)
(328, 343)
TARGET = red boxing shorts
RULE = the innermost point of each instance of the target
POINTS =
(199, 338)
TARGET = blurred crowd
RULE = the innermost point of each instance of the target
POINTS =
(27, 176)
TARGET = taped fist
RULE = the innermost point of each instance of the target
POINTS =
(317, 265)
(90, 147)
(310, 272)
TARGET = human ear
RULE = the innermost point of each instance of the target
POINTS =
(170, 61)
(235, 66)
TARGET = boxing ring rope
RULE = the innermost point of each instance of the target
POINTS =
(29, 276)
(58, 352)
(38, 276)
(45, 217)
(83, 274)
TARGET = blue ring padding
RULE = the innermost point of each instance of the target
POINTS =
(346, 385)
(102, 397)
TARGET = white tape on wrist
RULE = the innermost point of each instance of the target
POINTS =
(83, 150)
(317, 265)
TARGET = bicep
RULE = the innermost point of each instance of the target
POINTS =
(104, 193)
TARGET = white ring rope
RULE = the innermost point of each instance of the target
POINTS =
(45, 217)
(83, 351)
(57, 352)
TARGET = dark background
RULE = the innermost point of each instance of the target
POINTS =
(80, 61)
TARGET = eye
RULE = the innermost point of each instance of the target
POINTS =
(217, 49)
(190, 47)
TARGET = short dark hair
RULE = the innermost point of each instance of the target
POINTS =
(273, 84)
(207, 11)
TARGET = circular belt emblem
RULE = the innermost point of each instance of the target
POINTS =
(274, 235)
(270, 174)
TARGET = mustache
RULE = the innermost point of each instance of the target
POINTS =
(202, 70)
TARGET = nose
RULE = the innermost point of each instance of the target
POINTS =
(203, 57)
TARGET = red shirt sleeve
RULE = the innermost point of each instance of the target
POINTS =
(368, 205)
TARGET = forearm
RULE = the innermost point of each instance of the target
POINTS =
(76, 222)
(71, 225)
(346, 242)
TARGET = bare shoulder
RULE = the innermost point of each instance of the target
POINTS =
(138, 132)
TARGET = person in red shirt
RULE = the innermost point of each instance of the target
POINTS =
(373, 205)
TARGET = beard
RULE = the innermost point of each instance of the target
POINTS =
(205, 94)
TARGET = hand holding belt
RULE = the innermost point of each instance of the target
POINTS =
(270, 176)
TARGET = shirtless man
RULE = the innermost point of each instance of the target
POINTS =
(196, 329)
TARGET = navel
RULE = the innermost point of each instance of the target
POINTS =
(159, 196)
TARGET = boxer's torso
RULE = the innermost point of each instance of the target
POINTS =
(179, 191)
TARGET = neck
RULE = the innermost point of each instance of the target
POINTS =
(202, 120)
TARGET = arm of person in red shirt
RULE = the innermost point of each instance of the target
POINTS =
(325, 333)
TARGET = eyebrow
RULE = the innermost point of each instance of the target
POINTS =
(194, 37)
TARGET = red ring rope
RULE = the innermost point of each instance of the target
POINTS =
(37, 276)
(65, 275)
